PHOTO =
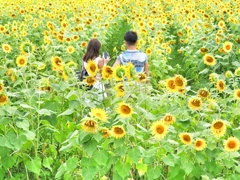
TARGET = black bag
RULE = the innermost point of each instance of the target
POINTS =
(82, 74)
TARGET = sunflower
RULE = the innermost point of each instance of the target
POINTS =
(3, 99)
(118, 132)
(159, 129)
(60, 38)
(119, 72)
(92, 68)
(170, 84)
(213, 77)
(218, 128)
(237, 94)
(229, 74)
(21, 61)
(148, 51)
(2, 28)
(11, 72)
(70, 49)
(203, 93)
(99, 114)
(221, 86)
(221, 24)
(6, 48)
(200, 144)
(120, 89)
(179, 81)
(169, 119)
(90, 125)
(84, 44)
(107, 72)
(125, 110)
(195, 103)
(231, 144)
(142, 77)
(75, 37)
(1, 86)
(57, 63)
(186, 138)
(90, 80)
(106, 133)
(209, 60)
(204, 50)
(72, 64)
(168, 50)
(237, 72)
(227, 46)
(27, 47)
(130, 70)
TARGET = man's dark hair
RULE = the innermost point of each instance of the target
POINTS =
(131, 37)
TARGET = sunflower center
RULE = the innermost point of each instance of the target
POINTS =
(196, 102)
(21, 61)
(187, 138)
(90, 123)
(93, 68)
(109, 71)
(1, 88)
(221, 85)
(121, 88)
(179, 81)
(203, 93)
(6, 48)
(58, 62)
(199, 143)
(125, 109)
(209, 59)
(228, 47)
(218, 125)
(160, 129)
(3, 98)
(238, 94)
(168, 118)
(231, 144)
(171, 84)
(118, 130)
(90, 80)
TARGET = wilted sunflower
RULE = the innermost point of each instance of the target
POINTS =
(218, 128)
(3, 99)
(203, 93)
(124, 110)
(227, 46)
(231, 144)
(6, 48)
(27, 47)
(118, 132)
(70, 49)
(21, 61)
(159, 129)
(170, 84)
(120, 89)
(209, 60)
(106, 133)
(186, 138)
(169, 119)
(1, 86)
(221, 86)
(179, 81)
(92, 68)
(90, 125)
(57, 63)
(237, 94)
(200, 144)
(142, 77)
(11, 72)
(99, 114)
(119, 73)
(90, 80)
(195, 103)
(107, 72)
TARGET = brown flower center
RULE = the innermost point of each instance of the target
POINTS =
(186, 138)
(118, 130)
(90, 123)
(196, 102)
(198, 143)
(209, 59)
(160, 129)
(218, 125)
(231, 144)
(125, 109)
(3, 98)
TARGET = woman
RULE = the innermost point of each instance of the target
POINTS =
(93, 51)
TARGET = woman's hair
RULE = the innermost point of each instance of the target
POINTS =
(92, 50)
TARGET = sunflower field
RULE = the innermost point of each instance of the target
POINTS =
(180, 123)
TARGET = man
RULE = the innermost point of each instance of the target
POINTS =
(136, 57)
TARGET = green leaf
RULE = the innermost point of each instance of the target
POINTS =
(98, 136)
(26, 106)
(71, 164)
(187, 166)
(134, 154)
(23, 124)
(131, 129)
(61, 170)
(34, 165)
(142, 169)
(87, 162)
(67, 112)
(122, 168)
(89, 173)
(29, 135)
(47, 163)
(101, 157)
(90, 146)
(173, 172)
(168, 160)
(46, 112)
(8, 161)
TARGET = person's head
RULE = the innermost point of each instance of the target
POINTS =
(130, 38)
(93, 49)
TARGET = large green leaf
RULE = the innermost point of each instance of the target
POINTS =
(34, 165)
(89, 173)
(101, 157)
